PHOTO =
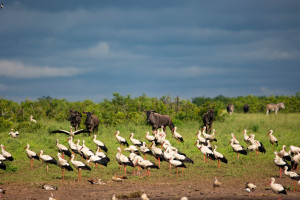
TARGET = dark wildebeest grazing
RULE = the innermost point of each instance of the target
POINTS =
(246, 108)
(157, 120)
(208, 119)
(274, 107)
(75, 119)
(230, 108)
(91, 122)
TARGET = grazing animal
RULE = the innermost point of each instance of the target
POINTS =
(274, 107)
(91, 122)
(208, 119)
(75, 119)
(246, 108)
(230, 108)
(157, 120)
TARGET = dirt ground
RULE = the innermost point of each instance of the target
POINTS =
(128, 189)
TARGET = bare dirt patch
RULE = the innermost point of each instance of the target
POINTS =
(166, 189)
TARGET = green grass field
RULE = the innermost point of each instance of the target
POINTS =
(286, 128)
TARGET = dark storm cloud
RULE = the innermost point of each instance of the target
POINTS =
(185, 48)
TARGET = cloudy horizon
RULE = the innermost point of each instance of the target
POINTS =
(89, 50)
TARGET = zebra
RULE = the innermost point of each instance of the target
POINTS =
(274, 107)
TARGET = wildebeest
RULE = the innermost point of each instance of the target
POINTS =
(91, 122)
(274, 107)
(157, 120)
(75, 119)
(230, 108)
(246, 108)
(208, 119)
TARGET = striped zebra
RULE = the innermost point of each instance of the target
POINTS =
(274, 107)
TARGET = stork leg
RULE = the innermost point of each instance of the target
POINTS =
(170, 166)
(279, 172)
(294, 186)
(177, 172)
(159, 162)
(218, 164)
(31, 162)
(47, 167)
(238, 156)
(125, 169)
(78, 176)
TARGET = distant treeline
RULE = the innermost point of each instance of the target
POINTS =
(123, 109)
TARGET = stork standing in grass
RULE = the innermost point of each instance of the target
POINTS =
(120, 139)
(6, 154)
(123, 160)
(99, 144)
(134, 141)
(177, 136)
(295, 161)
(31, 155)
(145, 150)
(235, 141)
(293, 175)
(239, 149)
(79, 166)
(277, 188)
(47, 159)
(273, 139)
(220, 157)
(64, 165)
(149, 137)
(284, 154)
(279, 162)
(201, 139)
(157, 153)
(177, 164)
(73, 146)
(63, 149)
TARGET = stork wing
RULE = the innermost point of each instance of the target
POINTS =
(61, 131)
(81, 131)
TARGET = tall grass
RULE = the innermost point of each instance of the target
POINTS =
(286, 128)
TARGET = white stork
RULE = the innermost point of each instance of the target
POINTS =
(177, 164)
(31, 119)
(134, 141)
(145, 150)
(219, 156)
(157, 153)
(120, 139)
(235, 141)
(246, 137)
(279, 162)
(177, 136)
(273, 139)
(149, 137)
(99, 144)
(73, 146)
(6, 154)
(293, 175)
(79, 165)
(13, 134)
(201, 139)
(63, 164)
(284, 154)
(295, 161)
(31, 155)
(205, 151)
(47, 159)
(133, 149)
(277, 188)
(239, 149)
(123, 160)
(63, 149)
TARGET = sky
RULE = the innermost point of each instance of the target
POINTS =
(91, 49)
